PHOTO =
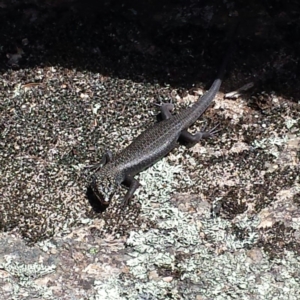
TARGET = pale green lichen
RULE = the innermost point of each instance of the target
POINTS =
(270, 145)
(229, 275)
(46, 246)
(26, 274)
(217, 229)
(108, 290)
(289, 123)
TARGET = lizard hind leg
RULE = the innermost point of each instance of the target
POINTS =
(187, 137)
(106, 158)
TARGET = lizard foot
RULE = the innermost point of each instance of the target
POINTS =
(211, 132)
(165, 109)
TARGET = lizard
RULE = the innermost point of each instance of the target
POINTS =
(152, 144)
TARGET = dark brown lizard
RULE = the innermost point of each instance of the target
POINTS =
(151, 145)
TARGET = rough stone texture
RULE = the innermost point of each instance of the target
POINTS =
(219, 220)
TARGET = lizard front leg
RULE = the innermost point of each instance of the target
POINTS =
(165, 109)
(107, 157)
(132, 184)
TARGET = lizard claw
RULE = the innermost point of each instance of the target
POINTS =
(165, 108)
(161, 103)
(157, 104)
(94, 166)
(211, 132)
(214, 130)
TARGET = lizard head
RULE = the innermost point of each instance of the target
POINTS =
(104, 186)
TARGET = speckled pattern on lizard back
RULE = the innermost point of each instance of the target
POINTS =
(152, 144)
